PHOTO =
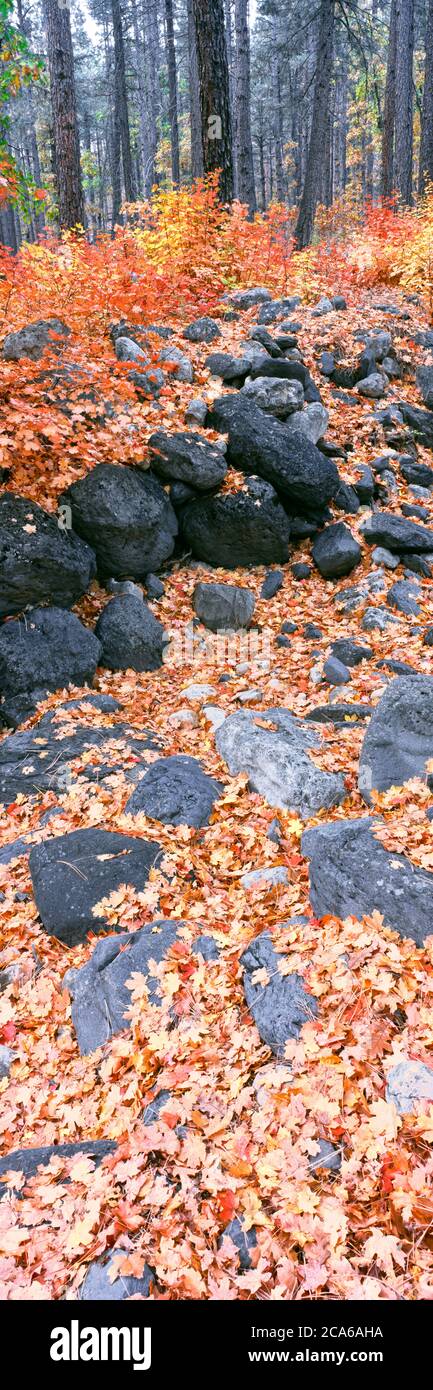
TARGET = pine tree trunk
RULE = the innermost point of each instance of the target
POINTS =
(194, 98)
(426, 150)
(244, 147)
(387, 184)
(66, 142)
(142, 103)
(404, 17)
(172, 91)
(321, 102)
(216, 128)
(121, 101)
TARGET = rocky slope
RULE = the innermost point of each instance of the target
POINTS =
(216, 832)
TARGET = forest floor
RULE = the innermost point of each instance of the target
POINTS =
(238, 1133)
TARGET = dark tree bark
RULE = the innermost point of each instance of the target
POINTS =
(172, 91)
(216, 127)
(321, 103)
(404, 17)
(389, 109)
(426, 150)
(66, 142)
(150, 16)
(194, 98)
(244, 147)
(121, 118)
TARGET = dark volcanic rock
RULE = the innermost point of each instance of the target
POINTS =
(187, 458)
(41, 759)
(245, 1241)
(33, 340)
(352, 875)
(241, 528)
(131, 637)
(127, 517)
(399, 741)
(223, 605)
(281, 1007)
(203, 330)
(47, 650)
(336, 551)
(98, 1286)
(99, 994)
(418, 473)
(346, 649)
(424, 381)
(288, 460)
(229, 368)
(39, 561)
(397, 533)
(276, 760)
(175, 791)
(72, 873)
(404, 595)
(272, 583)
(419, 421)
(28, 1161)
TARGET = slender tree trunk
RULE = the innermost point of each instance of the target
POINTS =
(426, 149)
(142, 104)
(387, 183)
(67, 169)
(150, 14)
(172, 91)
(244, 146)
(404, 98)
(194, 98)
(321, 102)
(231, 67)
(121, 100)
(216, 128)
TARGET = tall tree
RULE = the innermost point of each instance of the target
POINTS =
(426, 147)
(66, 141)
(194, 98)
(172, 89)
(321, 102)
(404, 42)
(388, 125)
(216, 125)
(244, 146)
(121, 117)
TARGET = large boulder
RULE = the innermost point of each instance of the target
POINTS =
(247, 299)
(397, 533)
(48, 650)
(282, 1005)
(399, 739)
(353, 875)
(279, 398)
(187, 458)
(33, 340)
(175, 791)
(53, 754)
(98, 990)
(424, 381)
(126, 516)
(277, 761)
(223, 605)
(131, 637)
(419, 421)
(39, 561)
(257, 443)
(72, 873)
(336, 551)
(249, 527)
